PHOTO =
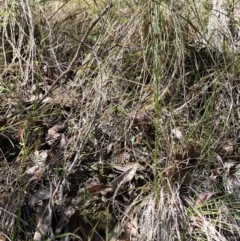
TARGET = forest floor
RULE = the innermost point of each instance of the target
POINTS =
(119, 120)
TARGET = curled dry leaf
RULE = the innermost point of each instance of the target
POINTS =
(127, 176)
(54, 132)
(119, 181)
(123, 178)
(204, 197)
(41, 203)
(38, 196)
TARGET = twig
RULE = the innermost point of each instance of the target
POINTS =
(110, 5)
(82, 143)
(62, 182)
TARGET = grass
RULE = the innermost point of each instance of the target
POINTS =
(138, 138)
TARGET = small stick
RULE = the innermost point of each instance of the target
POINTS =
(110, 5)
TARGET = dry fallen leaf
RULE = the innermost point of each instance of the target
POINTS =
(43, 194)
(97, 188)
(204, 197)
(54, 132)
(127, 176)
(119, 181)
(41, 203)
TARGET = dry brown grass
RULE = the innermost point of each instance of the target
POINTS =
(138, 140)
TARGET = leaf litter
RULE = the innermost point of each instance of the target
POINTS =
(85, 152)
